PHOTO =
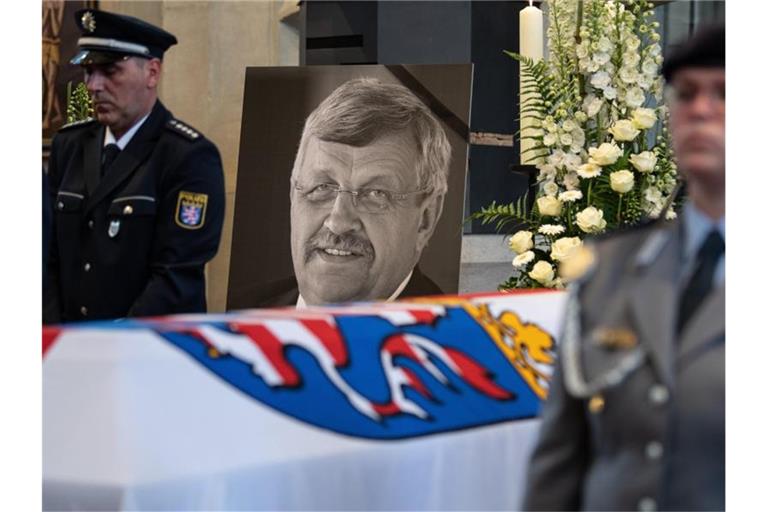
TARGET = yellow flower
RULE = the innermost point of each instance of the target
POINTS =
(622, 181)
(624, 130)
(543, 273)
(562, 248)
(590, 220)
(521, 241)
(549, 206)
(643, 118)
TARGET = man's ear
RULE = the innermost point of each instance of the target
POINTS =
(153, 69)
(430, 214)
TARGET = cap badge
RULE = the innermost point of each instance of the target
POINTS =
(88, 21)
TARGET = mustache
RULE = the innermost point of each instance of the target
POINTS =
(325, 239)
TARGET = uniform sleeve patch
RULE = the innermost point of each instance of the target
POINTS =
(190, 210)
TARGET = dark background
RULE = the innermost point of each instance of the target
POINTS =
(276, 102)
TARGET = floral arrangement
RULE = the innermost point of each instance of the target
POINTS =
(79, 104)
(599, 130)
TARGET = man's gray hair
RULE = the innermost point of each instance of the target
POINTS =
(363, 109)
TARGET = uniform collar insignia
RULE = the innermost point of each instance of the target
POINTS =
(614, 337)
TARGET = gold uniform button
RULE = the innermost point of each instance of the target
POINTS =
(87, 267)
(128, 210)
(596, 404)
(60, 205)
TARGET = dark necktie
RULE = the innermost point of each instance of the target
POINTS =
(700, 282)
(108, 155)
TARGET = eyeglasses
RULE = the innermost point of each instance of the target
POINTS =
(368, 200)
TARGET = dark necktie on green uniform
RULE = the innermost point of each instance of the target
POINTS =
(700, 282)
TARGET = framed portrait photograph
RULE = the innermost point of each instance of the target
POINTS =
(350, 184)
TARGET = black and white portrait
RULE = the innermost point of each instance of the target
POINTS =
(369, 204)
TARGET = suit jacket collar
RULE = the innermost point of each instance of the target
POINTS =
(129, 159)
(654, 295)
(654, 300)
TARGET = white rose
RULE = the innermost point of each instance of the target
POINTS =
(521, 260)
(563, 247)
(624, 130)
(643, 162)
(635, 97)
(566, 139)
(549, 206)
(550, 188)
(654, 50)
(605, 45)
(543, 273)
(550, 139)
(581, 117)
(589, 170)
(643, 118)
(609, 93)
(622, 181)
(600, 80)
(606, 154)
(590, 220)
(570, 196)
(549, 124)
(521, 241)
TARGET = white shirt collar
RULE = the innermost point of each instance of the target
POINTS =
(127, 136)
(301, 304)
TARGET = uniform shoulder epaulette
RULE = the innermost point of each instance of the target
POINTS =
(183, 129)
(78, 124)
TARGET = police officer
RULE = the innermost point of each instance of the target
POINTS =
(138, 195)
(636, 413)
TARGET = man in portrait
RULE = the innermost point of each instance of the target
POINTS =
(366, 192)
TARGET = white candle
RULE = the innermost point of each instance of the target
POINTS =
(532, 46)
